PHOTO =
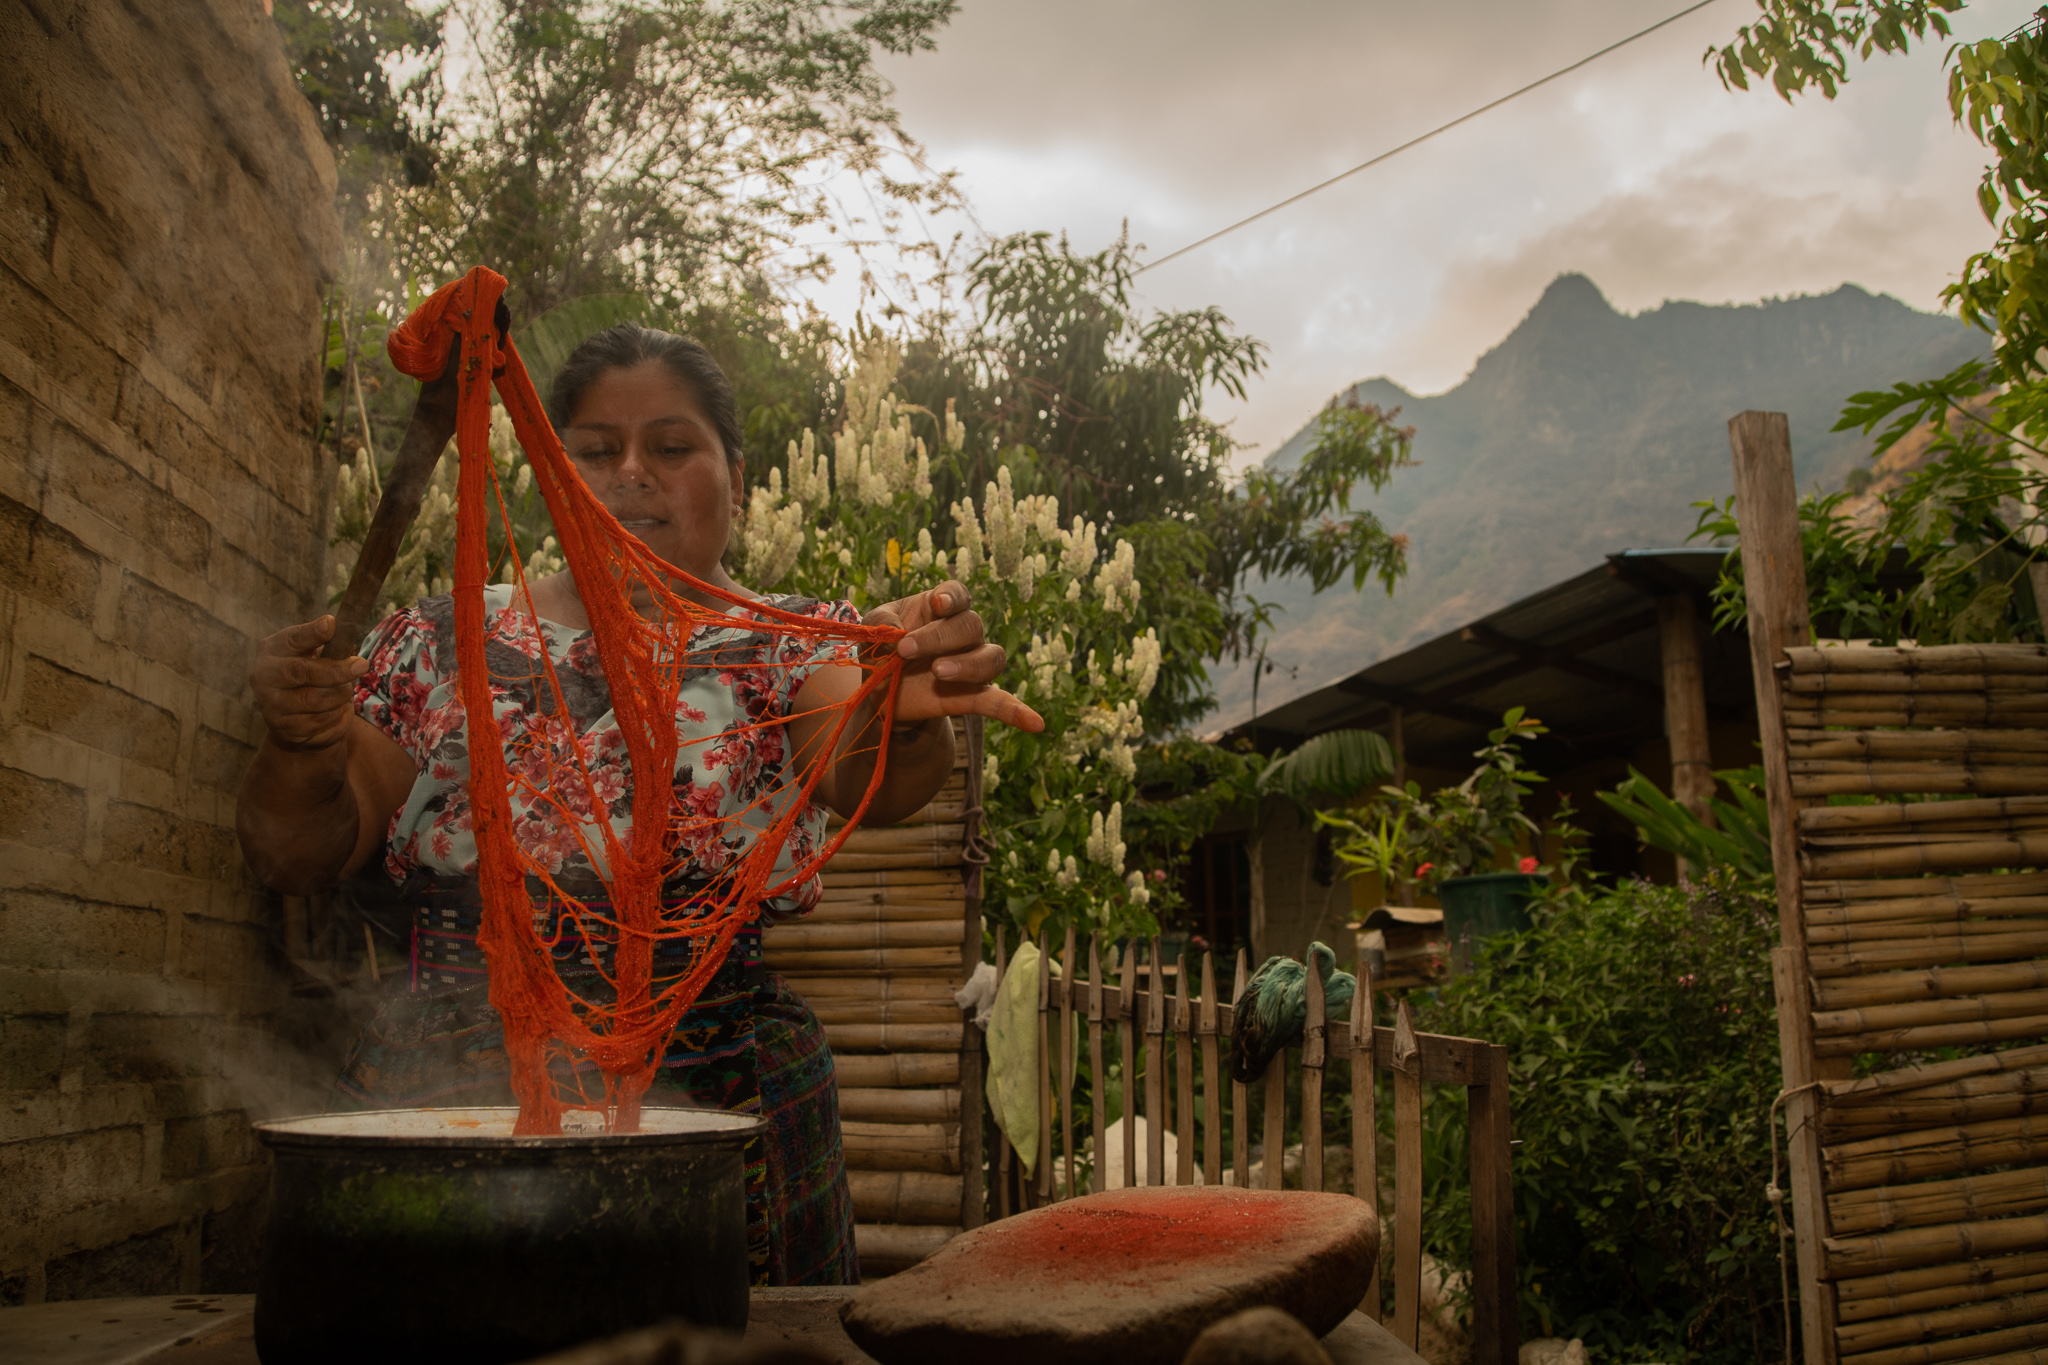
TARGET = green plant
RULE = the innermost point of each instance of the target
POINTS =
(1944, 557)
(1375, 850)
(1337, 763)
(1739, 839)
(1955, 552)
(1058, 374)
(1643, 1056)
(1997, 88)
(1454, 831)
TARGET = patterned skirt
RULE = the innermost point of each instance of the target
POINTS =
(749, 1045)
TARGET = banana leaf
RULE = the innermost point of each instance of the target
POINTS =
(1339, 763)
(1742, 840)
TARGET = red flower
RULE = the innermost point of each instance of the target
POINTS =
(1527, 865)
(1423, 871)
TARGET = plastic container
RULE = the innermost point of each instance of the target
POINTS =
(1477, 908)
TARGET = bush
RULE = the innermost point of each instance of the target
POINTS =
(1643, 1050)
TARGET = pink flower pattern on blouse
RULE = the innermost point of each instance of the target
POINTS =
(731, 769)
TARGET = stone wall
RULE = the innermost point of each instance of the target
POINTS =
(166, 226)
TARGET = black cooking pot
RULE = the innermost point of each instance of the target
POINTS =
(434, 1235)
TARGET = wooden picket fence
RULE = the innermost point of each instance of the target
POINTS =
(1166, 1035)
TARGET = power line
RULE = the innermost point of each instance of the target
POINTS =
(1418, 141)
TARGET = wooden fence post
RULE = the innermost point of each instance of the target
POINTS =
(1240, 1109)
(1184, 1064)
(1155, 1072)
(1685, 703)
(1003, 1148)
(1066, 1062)
(1212, 1086)
(1365, 1128)
(1127, 1035)
(1495, 1334)
(973, 1043)
(1097, 1079)
(1274, 1143)
(1407, 1179)
(1774, 579)
(1045, 1067)
(1314, 1051)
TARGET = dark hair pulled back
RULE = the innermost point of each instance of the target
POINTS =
(626, 344)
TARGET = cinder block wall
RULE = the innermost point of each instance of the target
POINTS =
(166, 225)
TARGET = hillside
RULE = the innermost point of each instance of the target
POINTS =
(1588, 431)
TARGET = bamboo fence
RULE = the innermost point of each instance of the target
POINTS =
(1910, 924)
(1170, 1039)
(897, 926)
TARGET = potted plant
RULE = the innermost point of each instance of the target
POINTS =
(1450, 842)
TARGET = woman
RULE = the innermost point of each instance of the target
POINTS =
(366, 757)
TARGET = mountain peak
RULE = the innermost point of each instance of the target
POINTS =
(1572, 293)
(1587, 430)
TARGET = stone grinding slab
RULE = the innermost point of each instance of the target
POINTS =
(1126, 1277)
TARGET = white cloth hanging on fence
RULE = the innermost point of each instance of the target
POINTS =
(979, 994)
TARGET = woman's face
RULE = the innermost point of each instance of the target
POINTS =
(646, 447)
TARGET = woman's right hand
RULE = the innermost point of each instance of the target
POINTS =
(306, 701)
(324, 784)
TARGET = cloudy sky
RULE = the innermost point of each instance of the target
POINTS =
(1640, 170)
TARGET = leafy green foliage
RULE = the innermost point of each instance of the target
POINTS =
(1860, 584)
(347, 55)
(1739, 839)
(657, 148)
(1971, 519)
(1999, 90)
(1807, 44)
(1943, 557)
(1337, 763)
(1300, 520)
(1062, 378)
(1451, 832)
(1968, 522)
(1643, 1056)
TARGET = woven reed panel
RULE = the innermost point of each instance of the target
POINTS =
(1926, 922)
(878, 961)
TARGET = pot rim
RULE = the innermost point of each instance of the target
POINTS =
(731, 1128)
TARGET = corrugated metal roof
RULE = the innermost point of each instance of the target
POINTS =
(1608, 686)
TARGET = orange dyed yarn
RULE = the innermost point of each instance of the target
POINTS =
(644, 660)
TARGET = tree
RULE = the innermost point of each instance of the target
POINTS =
(1971, 522)
(601, 150)
(371, 71)
(1998, 87)
(665, 148)
(1060, 377)
(852, 514)
(617, 161)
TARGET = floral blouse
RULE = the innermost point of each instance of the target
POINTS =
(724, 770)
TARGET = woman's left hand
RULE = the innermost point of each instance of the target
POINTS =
(949, 664)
